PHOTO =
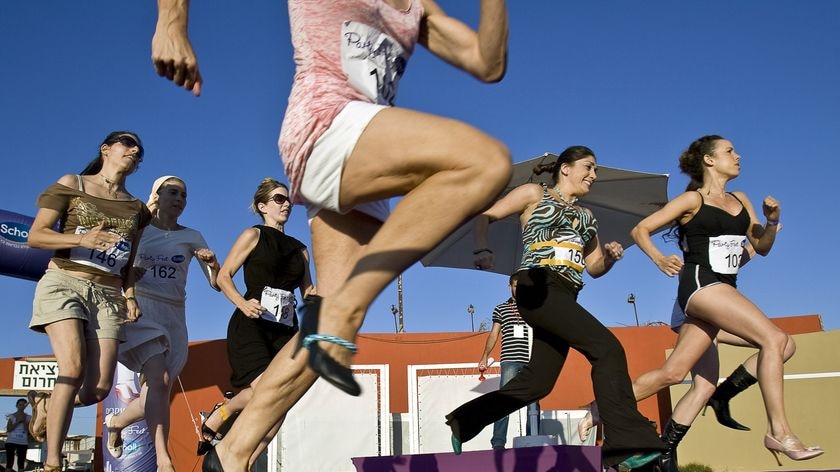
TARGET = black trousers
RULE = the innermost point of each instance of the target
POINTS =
(548, 303)
(20, 450)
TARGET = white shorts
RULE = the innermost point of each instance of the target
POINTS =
(321, 184)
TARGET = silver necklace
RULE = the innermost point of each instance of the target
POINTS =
(565, 200)
(110, 185)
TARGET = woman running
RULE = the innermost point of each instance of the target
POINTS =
(560, 240)
(274, 265)
(346, 150)
(715, 226)
(87, 294)
(156, 345)
(704, 390)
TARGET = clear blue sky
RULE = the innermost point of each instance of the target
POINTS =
(635, 81)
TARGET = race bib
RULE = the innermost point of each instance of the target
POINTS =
(567, 252)
(111, 261)
(373, 61)
(518, 331)
(725, 253)
(279, 306)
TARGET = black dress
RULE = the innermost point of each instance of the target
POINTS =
(276, 261)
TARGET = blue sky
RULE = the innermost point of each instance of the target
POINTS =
(635, 81)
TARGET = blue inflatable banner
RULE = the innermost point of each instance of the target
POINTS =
(17, 259)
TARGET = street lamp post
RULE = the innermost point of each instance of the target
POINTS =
(631, 299)
(394, 312)
(471, 311)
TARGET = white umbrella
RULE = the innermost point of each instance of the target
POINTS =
(619, 199)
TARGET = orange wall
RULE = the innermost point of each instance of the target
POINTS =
(206, 374)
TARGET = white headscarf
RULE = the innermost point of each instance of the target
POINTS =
(156, 186)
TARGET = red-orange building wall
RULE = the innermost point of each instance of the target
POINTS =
(206, 374)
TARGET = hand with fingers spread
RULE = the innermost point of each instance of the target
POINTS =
(99, 238)
(670, 265)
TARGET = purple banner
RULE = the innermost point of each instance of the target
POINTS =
(138, 445)
(17, 259)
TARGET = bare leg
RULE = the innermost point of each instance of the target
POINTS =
(448, 171)
(337, 241)
(751, 363)
(233, 405)
(693, 341)
(67, 342)
(723, 306)
(704, 379)
(82, 365)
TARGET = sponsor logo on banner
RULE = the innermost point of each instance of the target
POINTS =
(14, 234)
(138, 446)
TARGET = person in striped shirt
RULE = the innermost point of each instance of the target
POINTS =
(516, 351)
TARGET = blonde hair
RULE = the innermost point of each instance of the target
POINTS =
(267, 185)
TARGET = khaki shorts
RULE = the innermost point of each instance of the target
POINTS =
(60, 296)
(321, 184)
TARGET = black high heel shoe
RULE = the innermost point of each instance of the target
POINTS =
(205, 445)
(324, 365)
(211, 462)
(738, 381)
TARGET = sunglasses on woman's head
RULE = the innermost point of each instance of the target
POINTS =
(279, 198)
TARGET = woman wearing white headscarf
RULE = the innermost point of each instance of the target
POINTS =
(156, 346)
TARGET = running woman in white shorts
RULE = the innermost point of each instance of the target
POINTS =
(349, 57)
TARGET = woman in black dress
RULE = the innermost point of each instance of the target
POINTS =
(275, 264)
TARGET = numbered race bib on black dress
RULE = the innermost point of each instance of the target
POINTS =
(111, 261)
(373, 61)
(725, 253)
(279, 305)
(567, 252)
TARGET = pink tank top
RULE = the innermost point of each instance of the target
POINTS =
(345, 50)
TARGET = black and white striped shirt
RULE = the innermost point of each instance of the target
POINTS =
(513, 348)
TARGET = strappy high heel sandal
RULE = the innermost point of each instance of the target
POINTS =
(116, 449)
(324, 365)
(792, 447)
(588, 422)
(38, 422)
(205, 445)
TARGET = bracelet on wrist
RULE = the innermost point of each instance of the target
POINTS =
(130, 298)
(479, 251)
(772, 222)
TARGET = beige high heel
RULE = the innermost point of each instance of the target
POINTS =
(792, 447)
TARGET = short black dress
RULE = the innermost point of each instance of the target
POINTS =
(277, 261)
